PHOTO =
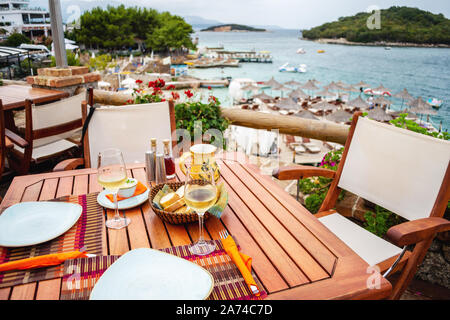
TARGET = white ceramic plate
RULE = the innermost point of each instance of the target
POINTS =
(148, 274)
(123, 204)
(30, 223)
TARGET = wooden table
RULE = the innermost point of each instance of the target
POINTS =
(14, 96)
(294, 255)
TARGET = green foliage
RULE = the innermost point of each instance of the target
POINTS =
(72, 60)
(402, 122)
(315, 188)
(115, 28)
(188, 114)
(100, 62)
(381, 220)
(15, 40)
(398, 24)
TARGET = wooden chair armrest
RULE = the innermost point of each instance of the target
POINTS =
(415, 231)
(69, 164)
(15, 138)
(301, 172)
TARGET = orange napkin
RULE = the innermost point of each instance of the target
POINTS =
(242, 261)
(41, 261)
(140, 188)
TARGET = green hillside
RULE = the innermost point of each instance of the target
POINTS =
(398, 24)
(235, 27)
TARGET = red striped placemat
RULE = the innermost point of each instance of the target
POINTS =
(86, 233)
(80, 275)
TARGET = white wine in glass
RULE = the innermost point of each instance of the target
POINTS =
(201, 194)
(111, 175)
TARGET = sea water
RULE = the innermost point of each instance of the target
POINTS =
(423, 72)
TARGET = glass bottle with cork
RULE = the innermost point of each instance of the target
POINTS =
(169, 162)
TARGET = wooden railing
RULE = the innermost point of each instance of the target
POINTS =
(315, 129)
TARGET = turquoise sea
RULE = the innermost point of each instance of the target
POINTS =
(423, 72)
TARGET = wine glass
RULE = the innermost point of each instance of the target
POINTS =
(200, 194)
(111, 175)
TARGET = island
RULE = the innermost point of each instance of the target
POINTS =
(399, 26)
(233, 28)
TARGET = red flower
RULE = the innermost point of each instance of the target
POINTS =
(151, 84)
(175, 95)
(212, 99)
(160, 83)
(209, 87)
(170, 87)
(139, 81)
(162, 100)
(188, 93)
(130, 101)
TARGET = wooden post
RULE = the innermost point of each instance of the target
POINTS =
(57, 33)
(314, 129)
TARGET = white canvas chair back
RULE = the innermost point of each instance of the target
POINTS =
(395, 168)
(54, 114)
(128, 128)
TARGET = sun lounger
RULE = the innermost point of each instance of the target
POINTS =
(310, 146)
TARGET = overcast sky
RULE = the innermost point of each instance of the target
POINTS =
(285, 13)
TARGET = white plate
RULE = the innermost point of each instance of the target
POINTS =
(147, 274)
(30, 223)
(123, 204)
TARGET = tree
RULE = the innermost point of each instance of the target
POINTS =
(15, 40)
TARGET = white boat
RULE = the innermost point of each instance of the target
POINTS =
(286, 68)
(301, 51)
(435, 103)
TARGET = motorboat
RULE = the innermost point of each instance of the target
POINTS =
(286, 68)
(301, 51)
(435, 103)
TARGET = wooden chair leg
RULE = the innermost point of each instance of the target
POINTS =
(410, 269)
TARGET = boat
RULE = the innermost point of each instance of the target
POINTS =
(371, 92)
(320, 51)
(387, 48)
(286, 68)
(301, 51)
(435, 103)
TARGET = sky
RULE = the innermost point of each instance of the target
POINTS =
(291, 14)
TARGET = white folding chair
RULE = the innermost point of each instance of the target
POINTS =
(128, 128)
(403, 171)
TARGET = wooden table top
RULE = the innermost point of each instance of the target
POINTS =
(294, 255)
(14, 96)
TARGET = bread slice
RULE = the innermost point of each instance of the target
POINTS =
(183, 209)
(174, 206)
(169, 199)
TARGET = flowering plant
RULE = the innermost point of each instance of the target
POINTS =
(148, 95)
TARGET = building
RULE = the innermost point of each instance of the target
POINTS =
(17, 16)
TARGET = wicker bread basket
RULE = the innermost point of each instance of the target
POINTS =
(171, 217)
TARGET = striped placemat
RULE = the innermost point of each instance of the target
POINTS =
(80, 275)
(86, 233)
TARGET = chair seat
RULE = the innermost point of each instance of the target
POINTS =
(48, 150)
(367, 245)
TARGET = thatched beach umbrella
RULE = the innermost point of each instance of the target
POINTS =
(410, 115)
(305, 114)
(381, 88)
(333, 86)
(272, 83)
(298, 94)
(362, 84)
(325, 93)
(250, 87)
(404, 95)
(421, 107)
(287, 104)
(282, 89)
(324, 105)
(341, 84)
(379, 114)
(316, 82)
(263, 97)
(358, 103)
(340, 116)
(382, 101)
(309, 85)
(293, 83)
